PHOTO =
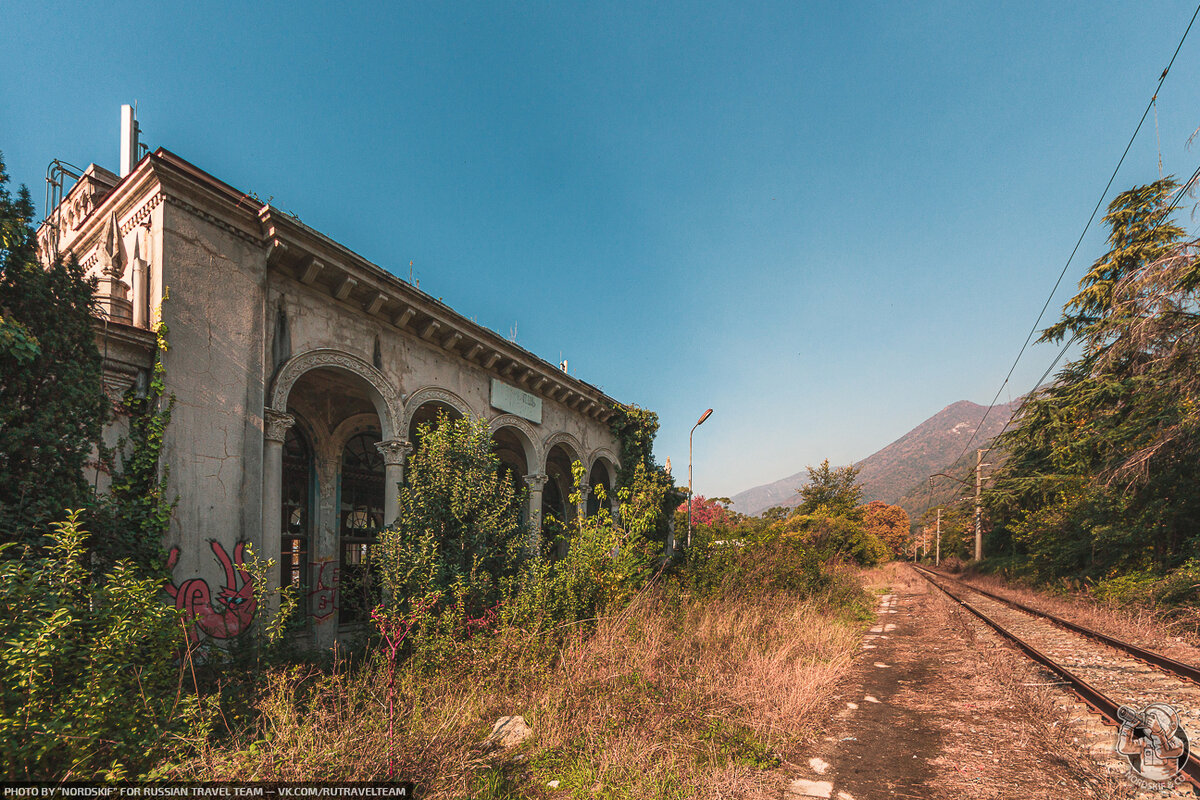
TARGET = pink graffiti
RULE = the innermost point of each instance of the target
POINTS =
(323, 598)
(235, 606)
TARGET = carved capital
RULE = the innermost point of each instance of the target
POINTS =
(536, 482)
(394, 451)
(276, 424)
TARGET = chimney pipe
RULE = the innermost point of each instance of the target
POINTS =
(129, 139)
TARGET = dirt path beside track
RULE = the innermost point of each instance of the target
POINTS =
(937, 708)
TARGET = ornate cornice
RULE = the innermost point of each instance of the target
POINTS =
(142, 213)
(180, 203)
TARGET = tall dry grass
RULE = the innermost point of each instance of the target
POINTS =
(673, 697)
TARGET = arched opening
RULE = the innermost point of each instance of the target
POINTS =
(360, 511)
(557, 512)
(599, 484)
(339, 410)
(297, 517)
(509, 446)
(428, 413)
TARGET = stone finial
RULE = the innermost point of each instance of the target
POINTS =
(276, 424)
(112, 261)
(394, 451)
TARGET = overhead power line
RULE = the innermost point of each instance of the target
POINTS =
(1078, 242)
(1179, 195)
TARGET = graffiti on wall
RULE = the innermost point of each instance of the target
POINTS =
(232, 610)
(323, 597)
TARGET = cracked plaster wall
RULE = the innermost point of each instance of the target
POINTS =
(214, 367)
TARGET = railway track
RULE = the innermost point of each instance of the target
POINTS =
(1104, 672)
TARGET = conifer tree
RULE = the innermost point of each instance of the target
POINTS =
(1102, 470)
(52, 407)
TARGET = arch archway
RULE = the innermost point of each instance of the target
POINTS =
(524, 437)
(601, 473)
(425, 405)
(558, 512)
(568, 443)
(382, 393)
(336, 398)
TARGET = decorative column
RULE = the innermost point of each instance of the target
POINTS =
(615, 504)
(275, 428)
(536, 482)
(394, 452)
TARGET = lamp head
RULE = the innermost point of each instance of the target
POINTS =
(704, 416)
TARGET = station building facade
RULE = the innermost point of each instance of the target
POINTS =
(300, 372)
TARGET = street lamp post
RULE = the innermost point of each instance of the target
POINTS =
(699, 422)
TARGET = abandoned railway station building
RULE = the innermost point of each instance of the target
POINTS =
(301, 372)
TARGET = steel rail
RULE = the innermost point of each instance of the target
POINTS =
(1152, 658)
(1089, 694)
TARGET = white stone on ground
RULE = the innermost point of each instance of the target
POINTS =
(870, 699)
(881, 665)
(818, 766)
(508, 732)
(852, 706)
(803, 788)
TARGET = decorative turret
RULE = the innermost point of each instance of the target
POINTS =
(113, 292)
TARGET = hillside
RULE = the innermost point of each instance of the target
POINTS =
(895, 471)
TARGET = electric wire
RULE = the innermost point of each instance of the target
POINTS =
(1179, 195)
(1079, 242)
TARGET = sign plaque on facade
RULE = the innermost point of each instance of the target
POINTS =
(514, 401)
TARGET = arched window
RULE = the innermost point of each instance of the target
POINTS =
(297, 511)
(361, 517)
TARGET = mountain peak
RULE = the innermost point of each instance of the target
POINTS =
(886, 475)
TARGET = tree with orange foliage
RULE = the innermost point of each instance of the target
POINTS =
(889, 523)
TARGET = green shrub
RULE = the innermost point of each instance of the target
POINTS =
(838, 538)
(89, 683)
(768, 564)
(458, 530)
(1180, 588)
(1132, 588)
(607, 561)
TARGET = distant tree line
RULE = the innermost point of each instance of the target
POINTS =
(831, 523)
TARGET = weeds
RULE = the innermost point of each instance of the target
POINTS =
(673, 696)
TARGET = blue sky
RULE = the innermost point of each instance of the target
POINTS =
(826, 220)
